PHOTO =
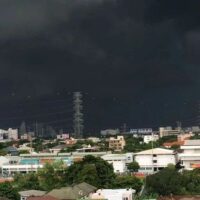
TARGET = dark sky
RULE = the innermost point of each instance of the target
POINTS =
(136, 61)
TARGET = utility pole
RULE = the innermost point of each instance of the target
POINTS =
(78, 115)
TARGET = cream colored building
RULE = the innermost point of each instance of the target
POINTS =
(117, 144)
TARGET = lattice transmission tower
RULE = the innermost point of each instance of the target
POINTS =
(78, 115)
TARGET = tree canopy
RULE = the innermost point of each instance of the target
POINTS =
(170, 181)
(8, 191)
(133, 166)
(128, 182)
(93, 170)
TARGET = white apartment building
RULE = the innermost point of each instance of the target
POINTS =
(149, 138)
(119, 161)
(165, 131)
(9, 170)
(10, 134)
(190, 158)
(153, 160)
(113, 194)
(13, 134)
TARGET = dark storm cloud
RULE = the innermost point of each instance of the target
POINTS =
(132, 49)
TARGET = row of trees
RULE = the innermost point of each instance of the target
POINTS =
(170, 181)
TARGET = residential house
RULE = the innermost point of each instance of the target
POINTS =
(73, 192)
(11, 151)
(113, 194)
(31, 193)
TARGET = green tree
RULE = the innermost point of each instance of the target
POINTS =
(94, 170)
(166, 181)
(128, 182)
(88, 174)
(52, 176)
(2, 152)
(26, 181)
(8, 191)
(133, 166)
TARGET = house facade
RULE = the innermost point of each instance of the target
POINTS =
(190, 158)
(153, 160)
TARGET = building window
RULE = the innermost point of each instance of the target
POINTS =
(154, 155)
(154, 161)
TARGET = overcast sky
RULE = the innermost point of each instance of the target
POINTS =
(137, 61)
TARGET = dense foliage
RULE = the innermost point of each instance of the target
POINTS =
(137, 144)
(128, 182)
(170, 181)
(133, 166)
(8, 191)
(92, 170)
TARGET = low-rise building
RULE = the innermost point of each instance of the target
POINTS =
(63, 136)
(150, 138)
(119, 161)
(13, 151)
(8, 135)
(33, 164)
(82, 190)
(166, 131)
(25, 147)
(94, 139)
(153, 160)
(13, 134)
(190, 158)
(113, 194)
(57, 148)
(10, 170)
(117, 144)
(70, 141)
(31, 193)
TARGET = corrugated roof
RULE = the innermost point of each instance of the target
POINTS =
(73, 192)
(29, 193)
(158, 151)
(85, 187)
(64, 193)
